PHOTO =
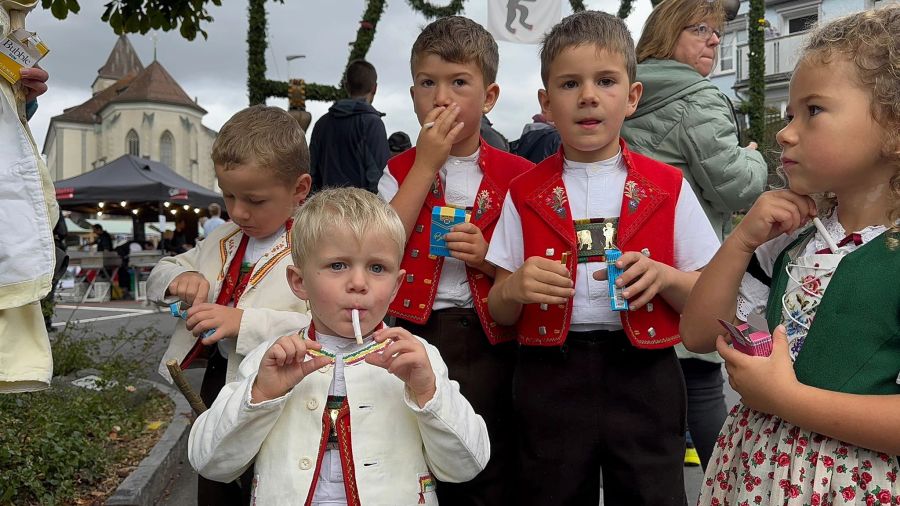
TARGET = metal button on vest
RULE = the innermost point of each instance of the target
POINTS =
(420, 228)
(649, 307)
(306, 463)
(652, 332)
(414, 253)
(312, 404)
(464, 322)
(544, 307)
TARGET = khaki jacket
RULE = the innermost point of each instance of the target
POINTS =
(270, 307)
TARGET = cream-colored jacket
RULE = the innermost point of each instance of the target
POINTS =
(396, 445)
(28, 213)
(29, 209)
(270, 307)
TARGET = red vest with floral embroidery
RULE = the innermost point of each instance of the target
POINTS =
(418, 289)
(646, 220)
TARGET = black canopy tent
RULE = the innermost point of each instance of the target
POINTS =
(144, 185)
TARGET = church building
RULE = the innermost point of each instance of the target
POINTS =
(136, 110)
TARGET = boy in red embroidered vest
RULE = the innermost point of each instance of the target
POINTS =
(444, 299)
(597, 389)
(234, 279)
(326, 419)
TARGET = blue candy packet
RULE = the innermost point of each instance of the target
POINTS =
(177, 312)
(443, 219)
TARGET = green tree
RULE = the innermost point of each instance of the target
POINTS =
(141, 16)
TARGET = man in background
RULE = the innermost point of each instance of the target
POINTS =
(215, 218)
(349, 144)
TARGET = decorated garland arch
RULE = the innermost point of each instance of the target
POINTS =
(298, 91)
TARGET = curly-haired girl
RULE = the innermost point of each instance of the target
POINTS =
(818, 419)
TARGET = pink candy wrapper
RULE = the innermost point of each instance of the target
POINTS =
(748, 339)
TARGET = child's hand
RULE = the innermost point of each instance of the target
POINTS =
(434, 143)
(226, 320)
(764, 383)
(466, 242)
(284, 365)
(405, 357)
(34, 80)
(642, 278)
(190, 287)
(539, 281)
(774, 213)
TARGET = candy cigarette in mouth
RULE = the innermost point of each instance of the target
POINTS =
(428, 125)
(354, 314)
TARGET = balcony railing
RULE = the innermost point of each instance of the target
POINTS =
(781, 55)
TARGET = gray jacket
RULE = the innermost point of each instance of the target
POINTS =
(685, 121)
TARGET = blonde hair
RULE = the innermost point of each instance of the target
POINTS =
(354, 209)
(267, 136)
(457, 39)
(870, 40)
(668, 19)
(599, 29)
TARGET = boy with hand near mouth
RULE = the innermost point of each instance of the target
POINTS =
(324, 418)
(454, 64)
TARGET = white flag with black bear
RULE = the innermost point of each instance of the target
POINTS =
(523, 21)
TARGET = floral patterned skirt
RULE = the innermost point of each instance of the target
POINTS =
(760, 459)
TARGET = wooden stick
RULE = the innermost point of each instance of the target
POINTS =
(181, 382)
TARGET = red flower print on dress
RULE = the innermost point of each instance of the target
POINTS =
(849, 493)
(816, 499)
(759, 457)
(884, 497)
(783, 460)
(891, 476)
(828, 461)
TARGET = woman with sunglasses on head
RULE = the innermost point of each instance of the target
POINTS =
(684, 120)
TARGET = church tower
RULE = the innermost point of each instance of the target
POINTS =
(136, 110)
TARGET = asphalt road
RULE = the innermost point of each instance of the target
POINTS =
(116, 318)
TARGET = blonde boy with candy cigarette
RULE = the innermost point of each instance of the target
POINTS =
(331, 421)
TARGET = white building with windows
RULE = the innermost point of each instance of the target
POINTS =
(789, 22)
(136, 110)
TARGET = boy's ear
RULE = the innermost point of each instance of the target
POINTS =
(295, 281)
(400, 276)
(491, 94)
(544, 101)
(634, 96)
(304, 185)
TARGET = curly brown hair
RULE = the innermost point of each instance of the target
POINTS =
(870, 40)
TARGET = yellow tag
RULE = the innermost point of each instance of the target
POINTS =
(21, 49)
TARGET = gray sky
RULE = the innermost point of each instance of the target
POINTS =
(215, 70)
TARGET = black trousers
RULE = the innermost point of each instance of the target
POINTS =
(598, 403)
(214, 493)
(484, 373)
(706, 404)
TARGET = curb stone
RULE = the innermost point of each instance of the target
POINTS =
(148, 481)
